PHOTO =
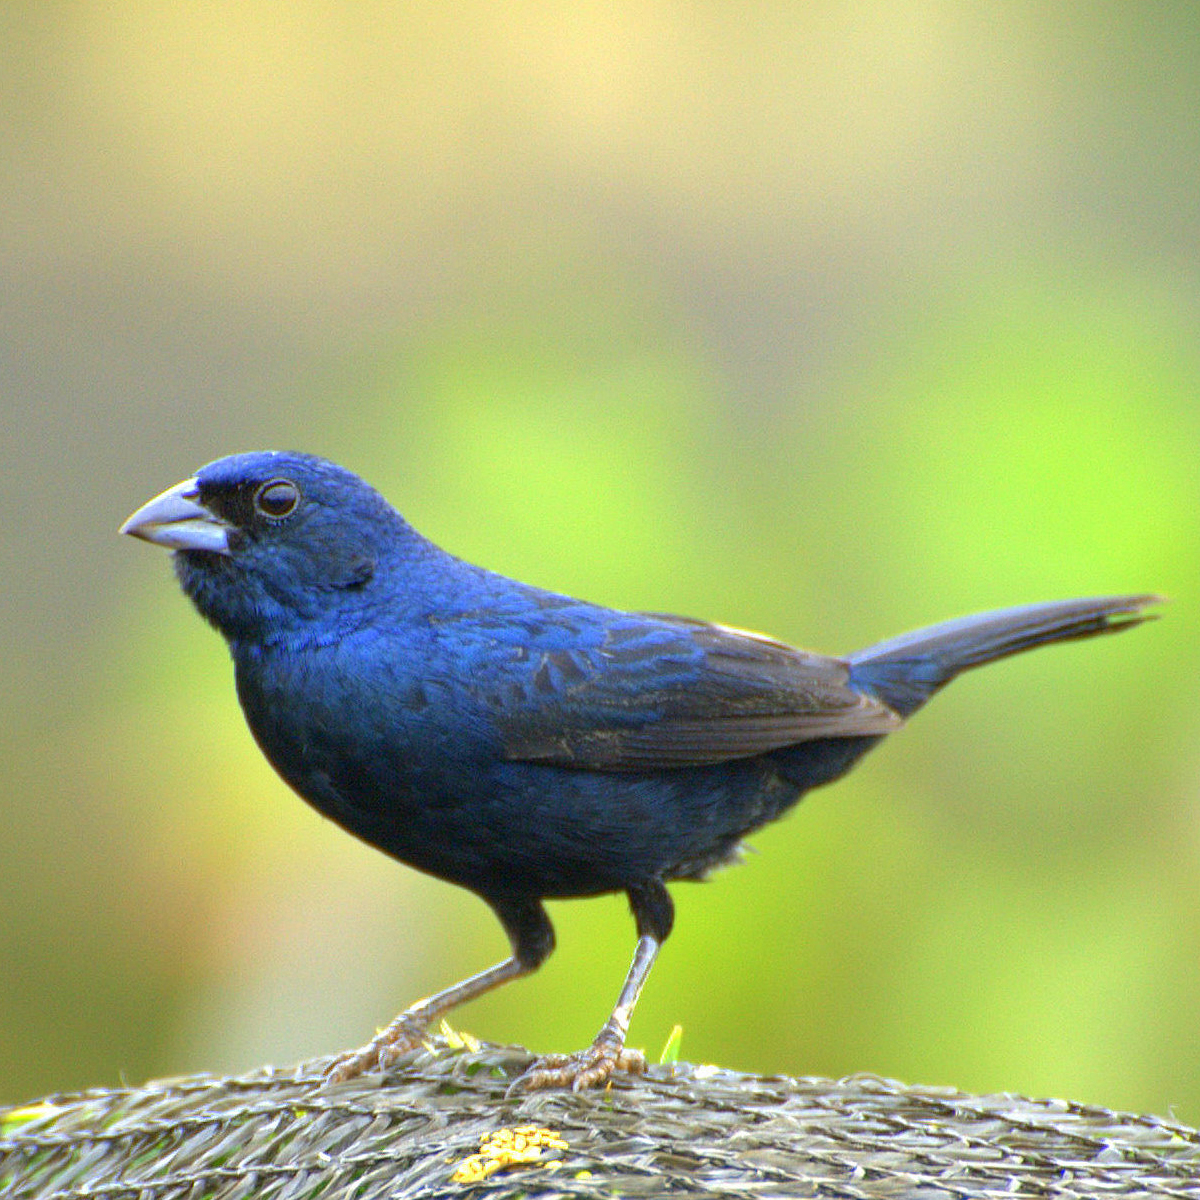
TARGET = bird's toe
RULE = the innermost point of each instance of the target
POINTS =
(380, 1052)
(585, 1069)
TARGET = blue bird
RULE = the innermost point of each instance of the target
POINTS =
(522, 744)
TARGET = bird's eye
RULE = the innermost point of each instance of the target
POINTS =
(277, 498)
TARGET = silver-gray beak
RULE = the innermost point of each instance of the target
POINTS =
(174, 519)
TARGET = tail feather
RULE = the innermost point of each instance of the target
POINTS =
(905, 671)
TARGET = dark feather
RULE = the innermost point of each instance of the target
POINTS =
(669, 692)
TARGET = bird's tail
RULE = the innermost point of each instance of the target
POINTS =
(905, 671)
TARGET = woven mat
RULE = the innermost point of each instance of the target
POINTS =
(440, 1125)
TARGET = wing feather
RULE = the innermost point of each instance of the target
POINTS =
(668, 692)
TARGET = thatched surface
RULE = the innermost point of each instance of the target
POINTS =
(680, 1129)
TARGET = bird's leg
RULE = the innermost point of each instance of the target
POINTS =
(654, 912)
(607, 1053)
(409, 1028)
(532, 938)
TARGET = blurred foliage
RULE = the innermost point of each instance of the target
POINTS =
(808, 319)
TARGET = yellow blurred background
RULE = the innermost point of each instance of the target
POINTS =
(825, 319)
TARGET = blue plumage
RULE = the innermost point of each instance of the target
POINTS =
(519, 743)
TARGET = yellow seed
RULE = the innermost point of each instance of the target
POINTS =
(507, 1147)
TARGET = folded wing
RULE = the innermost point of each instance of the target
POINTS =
(668, 692)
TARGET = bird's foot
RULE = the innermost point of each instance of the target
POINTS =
(405, 1033)
(588, 1068)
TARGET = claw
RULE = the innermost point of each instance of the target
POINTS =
(402, 1035)
(585, 1069)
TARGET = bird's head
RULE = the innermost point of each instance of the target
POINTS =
(269, 541)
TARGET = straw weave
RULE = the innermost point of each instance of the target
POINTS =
(684, 1130)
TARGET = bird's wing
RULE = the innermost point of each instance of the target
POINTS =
(656, 692)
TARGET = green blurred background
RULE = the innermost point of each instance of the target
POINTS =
(824, 319)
